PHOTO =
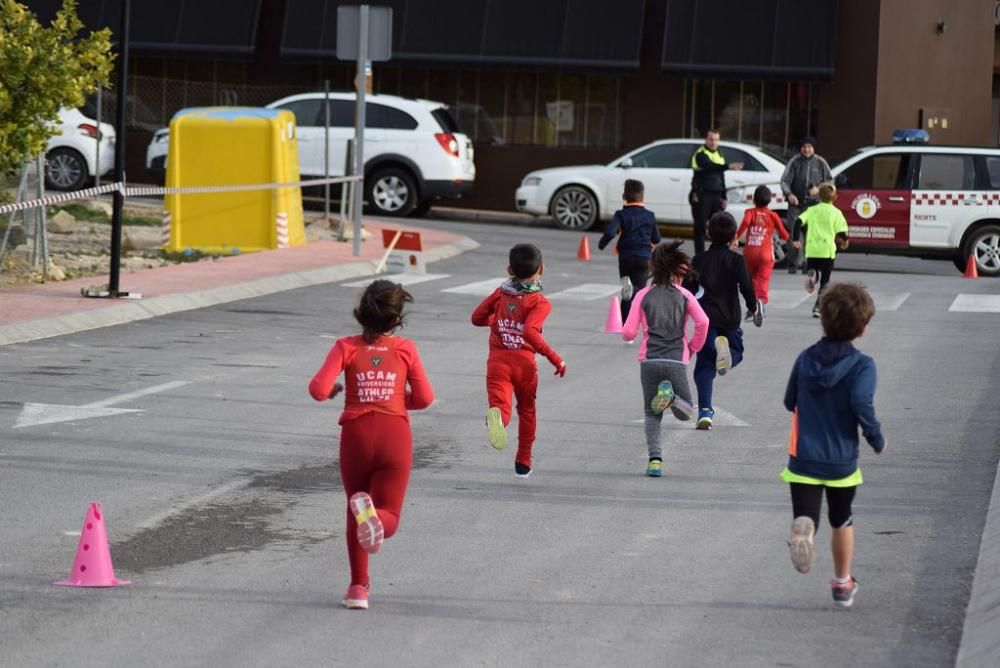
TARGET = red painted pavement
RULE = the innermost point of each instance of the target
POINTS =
(57, 298)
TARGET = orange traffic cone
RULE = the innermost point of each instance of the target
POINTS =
(583, 253)
(970, 267)
(92, 566)
(613, 323)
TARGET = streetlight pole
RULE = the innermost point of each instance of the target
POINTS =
(119, 197)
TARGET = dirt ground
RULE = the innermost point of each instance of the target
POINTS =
(83, 247)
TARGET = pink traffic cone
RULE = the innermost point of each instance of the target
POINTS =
(613, 323)
(92, 566)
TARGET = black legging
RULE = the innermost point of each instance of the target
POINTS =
(708, 204)
(808, 499)
(637, 270)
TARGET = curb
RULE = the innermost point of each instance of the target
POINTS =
(980, 644)
(131, 311)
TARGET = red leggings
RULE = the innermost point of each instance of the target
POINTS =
(376, 452)
(760, 267)
(514, 374)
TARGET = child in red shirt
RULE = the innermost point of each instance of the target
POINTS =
(376, 446)
(760, 223)
(515, 313)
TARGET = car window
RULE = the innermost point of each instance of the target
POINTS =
(665, 156)
(307, 112)
(877, 172)
(448, 122)
(388, 118)
(341, 114)
(993, 169)
(946, 172)
(750, 163)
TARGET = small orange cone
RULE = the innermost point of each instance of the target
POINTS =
(970, 267)
(92, 566)
(583, 253)
(613, 323)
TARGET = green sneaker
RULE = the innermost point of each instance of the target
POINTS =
(664, 397)
(495, 429)
(655, 468)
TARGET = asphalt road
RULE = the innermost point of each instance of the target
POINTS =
(224, 505)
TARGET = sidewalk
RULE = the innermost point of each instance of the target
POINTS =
(53, 309)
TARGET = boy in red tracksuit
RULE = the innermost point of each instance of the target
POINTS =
(515, 313)
(385, 379)
(759, 224)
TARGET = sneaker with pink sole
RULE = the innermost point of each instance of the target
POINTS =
(370, 531)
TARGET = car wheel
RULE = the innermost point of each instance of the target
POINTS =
(574, 208)
(984, 244)
(65, 169)
(391, 192)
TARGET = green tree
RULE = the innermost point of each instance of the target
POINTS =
(41, 70)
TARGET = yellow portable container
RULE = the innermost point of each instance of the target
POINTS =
(227, 146)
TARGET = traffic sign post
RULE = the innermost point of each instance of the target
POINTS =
(364, 34)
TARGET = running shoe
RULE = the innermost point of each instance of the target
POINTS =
(370, 532)
(494, 427)
(816, 310)
(843, 594)
(811, 279)
(801, 546)
(749, 316)
(655, 468)
(723, 358)
(356, 598)
(522, 470)
(683, 407)
(664, 397)
(758, 315)
(705, 416)
(626, 289)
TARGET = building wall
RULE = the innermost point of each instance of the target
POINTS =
(937, 80)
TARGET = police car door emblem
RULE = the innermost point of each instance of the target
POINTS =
(376, 361)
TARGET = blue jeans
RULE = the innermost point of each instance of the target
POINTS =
(704, 366)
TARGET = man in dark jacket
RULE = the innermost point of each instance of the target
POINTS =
(800, 184)
(722, 276)
(831, 393)
(708, 186)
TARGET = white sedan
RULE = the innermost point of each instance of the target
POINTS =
(577, 197)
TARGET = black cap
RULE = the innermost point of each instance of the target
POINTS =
(807, 140)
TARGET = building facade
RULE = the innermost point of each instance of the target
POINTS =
(557, 82)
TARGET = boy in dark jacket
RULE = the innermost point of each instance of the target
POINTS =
(637, 233)
(831, 393)
(722, 274)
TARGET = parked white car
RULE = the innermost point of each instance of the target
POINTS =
(577, 197)
(924, 201)
(72, 155)
(414, 151)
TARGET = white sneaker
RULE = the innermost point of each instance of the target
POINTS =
(801, 547)
(626, 289)
(723, 358)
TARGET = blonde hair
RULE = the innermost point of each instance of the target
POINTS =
(827, 192)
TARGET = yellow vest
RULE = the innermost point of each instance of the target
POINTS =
(714, 156)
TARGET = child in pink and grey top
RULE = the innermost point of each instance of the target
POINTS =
(662, 311)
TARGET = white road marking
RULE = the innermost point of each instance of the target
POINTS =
(976, 304)
(33, 415)
(586, 292)
(783, 298)
(479, 288)
(722, 417)
(201, 500)
(889, 301)
(405, 278)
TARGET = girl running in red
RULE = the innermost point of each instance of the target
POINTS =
(760, 223)
(375, 441)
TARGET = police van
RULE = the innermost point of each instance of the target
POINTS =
(924, 201)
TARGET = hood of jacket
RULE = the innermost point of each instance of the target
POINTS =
(826, 363)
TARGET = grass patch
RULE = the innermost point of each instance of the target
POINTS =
(84, 213)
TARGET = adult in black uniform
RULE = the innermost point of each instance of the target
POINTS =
(708, 186)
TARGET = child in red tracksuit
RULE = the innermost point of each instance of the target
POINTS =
(759, 224)
(375, 440)
(515, 313)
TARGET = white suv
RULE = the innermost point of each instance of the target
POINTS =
(414, 150)
(71, 156)
(924, 201)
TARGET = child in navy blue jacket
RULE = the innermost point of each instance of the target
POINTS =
(637, 233)
(831, 394)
